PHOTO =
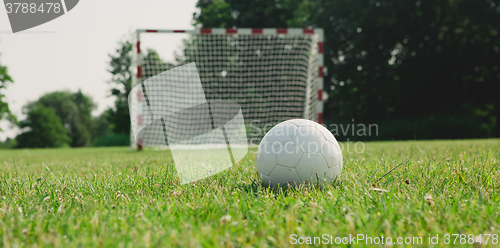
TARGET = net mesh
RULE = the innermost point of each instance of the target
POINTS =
(272, 77)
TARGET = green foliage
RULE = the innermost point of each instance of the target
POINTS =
(156, 65)
(434, 127)
(5, 112)
(102, 125)
(118, 197)
(75, 112)
(390, 60)
(8, 144)
(441, 126)
(121, 70)
(118, 117)
(236, 13)
(120, 139)
(45, 129)
(408, 60)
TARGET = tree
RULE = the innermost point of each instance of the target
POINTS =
(430, 64)
(102, 125)
(5, 112)
(45, 129)
(74, 111)
(9, 143)
(121, 70)
(237, 13)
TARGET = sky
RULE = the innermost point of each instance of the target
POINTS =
(71, 52)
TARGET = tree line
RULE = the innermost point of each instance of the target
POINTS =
(64, 118)
(419, 69)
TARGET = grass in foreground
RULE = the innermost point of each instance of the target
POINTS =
(115, 197)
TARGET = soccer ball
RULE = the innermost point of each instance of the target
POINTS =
(297, 152)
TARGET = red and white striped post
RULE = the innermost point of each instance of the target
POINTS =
(321, 81)
(139, 98)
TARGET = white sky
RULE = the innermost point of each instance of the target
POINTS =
(71, 52)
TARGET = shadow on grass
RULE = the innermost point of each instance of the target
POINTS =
(256, 187)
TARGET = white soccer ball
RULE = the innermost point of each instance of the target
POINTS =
(297, 152)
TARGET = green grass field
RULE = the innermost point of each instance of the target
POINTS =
(114, 197)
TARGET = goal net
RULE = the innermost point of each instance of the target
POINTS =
(273, 74)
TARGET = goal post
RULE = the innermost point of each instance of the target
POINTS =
(274, 74)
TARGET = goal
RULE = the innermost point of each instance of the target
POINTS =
(273, 74)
